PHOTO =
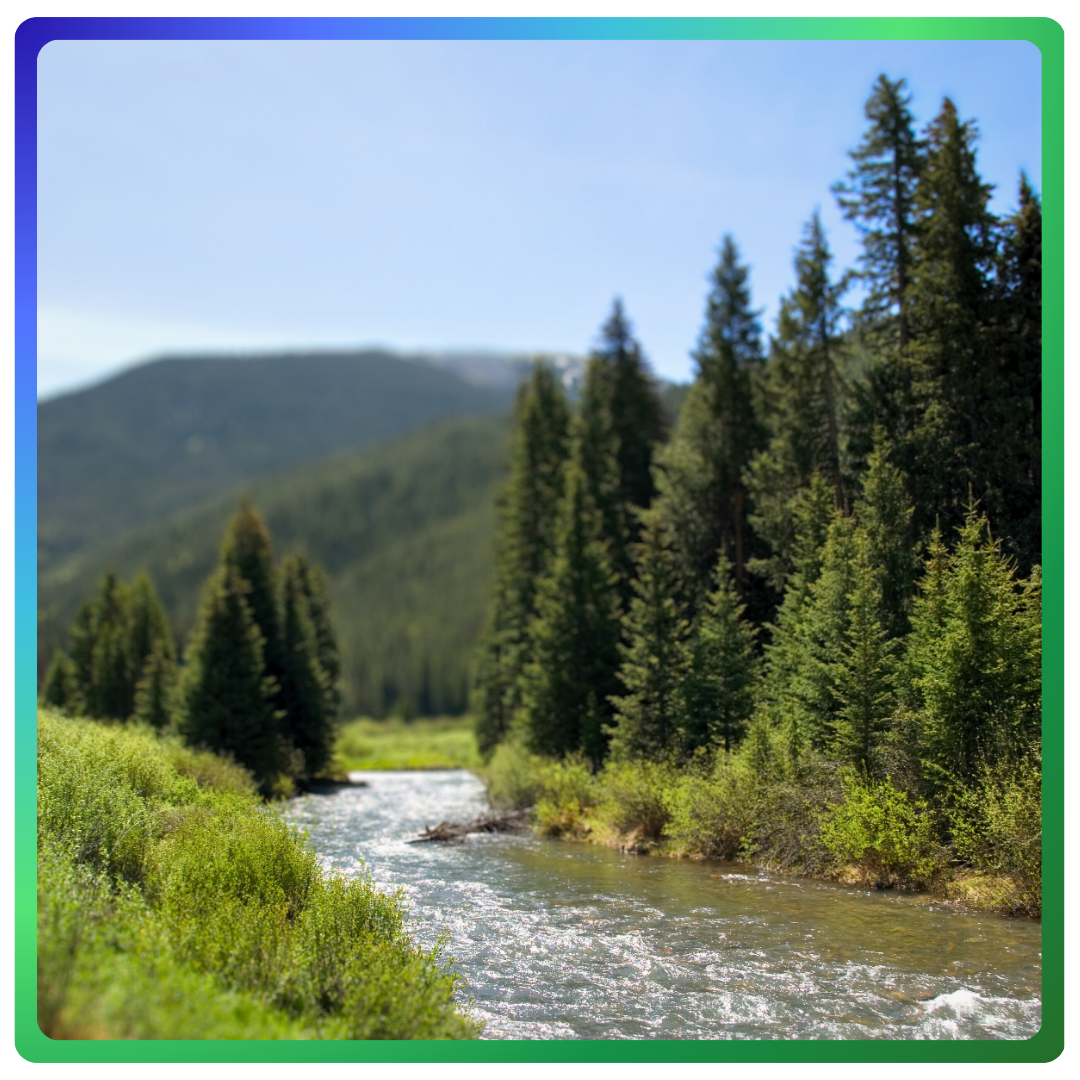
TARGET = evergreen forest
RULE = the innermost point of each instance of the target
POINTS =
(803, 625)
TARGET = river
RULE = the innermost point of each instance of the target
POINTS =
(559, 940)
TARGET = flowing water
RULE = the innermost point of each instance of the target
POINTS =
(565, 940)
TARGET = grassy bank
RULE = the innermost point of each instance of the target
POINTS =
(173, 904)
(816, 819)
(445, 742)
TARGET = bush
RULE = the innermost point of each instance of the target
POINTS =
(886, 838)
(634, 798)
(997, 827)
(712, 815)
(570, 791)
(513, 777)
(173, 910)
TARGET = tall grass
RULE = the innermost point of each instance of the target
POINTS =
(172, 903)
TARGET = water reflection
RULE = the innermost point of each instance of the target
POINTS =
(558, 940)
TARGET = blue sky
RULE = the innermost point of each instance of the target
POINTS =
(434, 195)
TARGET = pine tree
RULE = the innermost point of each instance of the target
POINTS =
(717, 694)
(523, 546)
(154, 690)
(802, 389)
(653, 654)
(307, 723)
(61, 687)
(975, 655)
(574, 638)
(226, 699)
(312, 582)
(248, 549)
(879, 196)
(700, 471)
(110, 692)
(884, 514)
(864, 673)
(944, 443)
(637, 414)
(790, 650)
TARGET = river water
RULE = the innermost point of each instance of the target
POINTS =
(563, 940)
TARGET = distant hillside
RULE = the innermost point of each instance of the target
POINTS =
(404, 530)
(174, 432)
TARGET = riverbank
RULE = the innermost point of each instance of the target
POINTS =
(173, 904)
(441, 742)
(818, 823)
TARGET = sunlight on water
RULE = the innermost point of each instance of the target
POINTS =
(557, 940)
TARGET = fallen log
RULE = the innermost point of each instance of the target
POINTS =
(514, 821)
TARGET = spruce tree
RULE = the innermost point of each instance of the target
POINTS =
(226, 699)
(574, 638)
(523, 545)
(307, 723)
(154, 690)
(864, 673)
(110, 692)
(700, 474)
(975, 655)
(802, 392)
(637, 414)
(61, 686)
(879, 196)
(247, 548)
(717, 694)
(313, 585)
(653, 654)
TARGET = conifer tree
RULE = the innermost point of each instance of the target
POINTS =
(884, 513)
(110, 692)
(248, 549)
(653, 654)
(879, 196)
(944, 443)
(637, 414)
(574, 638)
(154, 690)
(226, 699)
(61, 686)
(864, 672)
(700, 471)
(307, 723)
(788, 654)
(802, 388)
(523, 545)
(717, 694)
(312, 582)
(975, 655)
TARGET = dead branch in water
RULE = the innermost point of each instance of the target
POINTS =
(515, 821)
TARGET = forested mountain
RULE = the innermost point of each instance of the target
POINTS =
(174, 432)
(403, 530)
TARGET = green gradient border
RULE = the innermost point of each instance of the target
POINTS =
(1045, 34)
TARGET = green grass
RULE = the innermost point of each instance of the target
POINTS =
(174, 904)
(445, 742)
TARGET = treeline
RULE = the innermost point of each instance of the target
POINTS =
(259, 681)
(832, 561)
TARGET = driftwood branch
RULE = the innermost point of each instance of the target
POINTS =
(514, 821)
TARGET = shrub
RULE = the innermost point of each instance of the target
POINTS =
(997, 826)
(513, 776)
(876, 829)
(634, 798)
(712, 815)
(569, 792)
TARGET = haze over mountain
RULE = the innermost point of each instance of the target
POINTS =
(175, 431)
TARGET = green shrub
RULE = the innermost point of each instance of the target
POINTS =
(712, 815)
(876, 829)
(570, 791)
(634, 798)
(513, 776)
(997, 827)
(170, 909)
